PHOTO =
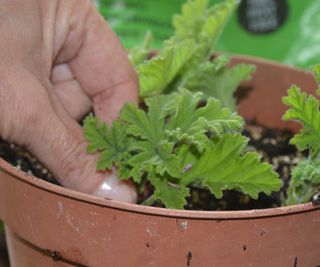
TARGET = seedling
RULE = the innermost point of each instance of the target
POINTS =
(305, 181)
(187, 133)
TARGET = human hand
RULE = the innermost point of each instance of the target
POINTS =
(58, 58)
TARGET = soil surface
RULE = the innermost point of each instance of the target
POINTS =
(273, 145)
(23, 160)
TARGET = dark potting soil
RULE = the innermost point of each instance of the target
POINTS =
(273, 145)
(23, 160)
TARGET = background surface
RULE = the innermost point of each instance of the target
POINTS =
(282, 30)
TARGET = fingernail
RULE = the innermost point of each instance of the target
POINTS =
(115, 189)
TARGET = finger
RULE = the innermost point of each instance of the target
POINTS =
(55, 139)
(76, 103)
(69, 91)
(99, 64)
(108, 103)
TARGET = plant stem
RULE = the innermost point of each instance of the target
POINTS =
(148, 201)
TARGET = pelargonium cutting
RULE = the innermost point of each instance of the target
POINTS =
(305, 181)
(186, 132)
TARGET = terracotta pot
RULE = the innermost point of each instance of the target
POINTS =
(48, 225)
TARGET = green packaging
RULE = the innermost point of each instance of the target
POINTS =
(282, 30)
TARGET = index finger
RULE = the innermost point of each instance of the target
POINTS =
(99, 63)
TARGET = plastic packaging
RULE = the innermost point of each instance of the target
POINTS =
(282, 30)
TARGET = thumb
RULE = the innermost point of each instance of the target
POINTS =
(63, 150)
(45, 128)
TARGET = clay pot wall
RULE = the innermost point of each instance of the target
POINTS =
(48, 225)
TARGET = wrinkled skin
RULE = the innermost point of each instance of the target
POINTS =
(58, 59)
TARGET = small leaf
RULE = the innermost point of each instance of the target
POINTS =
(305, 109)
(172, 196)
(95, 133)
(316, 72)
(305, 182)
(160, 156)
(106, 160)
(189, 22)
(307, 170)
(140, 124)
(219, 120)
(139, 54)
(223, 166)
(111, 142)
(152, 147)
(216, 80)
(201, 22)
(191, 124)
(157, 73)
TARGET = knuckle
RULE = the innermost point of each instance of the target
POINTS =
(20, 108)
(74, 165)
(5, 105)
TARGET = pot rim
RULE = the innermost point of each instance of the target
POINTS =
(135, 208)
(249, 59)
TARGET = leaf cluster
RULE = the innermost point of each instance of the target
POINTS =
(304, 108)
(187, 134)
(183, 61)
(177, 142)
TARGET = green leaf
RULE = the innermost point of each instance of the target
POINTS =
(219, 120)
(316, 72)
(190, 22)
(216, 79)
(171, 195)
(183, 124)
(155, 149)
(139, 54)
(304, 183)
(141, 125)
(305, 109)
(224, 166)
(112, 143)
(191, 124)
(94, 132)
(183, 61)
(217, 17)
(306, 170)
(157, 73)
(202, 23)
(160, 156)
